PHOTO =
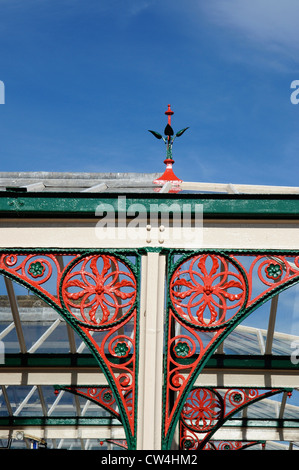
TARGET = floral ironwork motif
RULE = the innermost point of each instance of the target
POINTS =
(214, 286)
(94, 292)
(101, 288)
(206, 410)
(33, 269)
(202, 410)
(237, 397)
(36, 269)
(211, 292)
(107, 396)
(182, 349)
(274, 271)
(233, 445)
(121, 349)
(192, 444)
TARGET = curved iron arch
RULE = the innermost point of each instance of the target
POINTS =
(168, 428)
(129, 424)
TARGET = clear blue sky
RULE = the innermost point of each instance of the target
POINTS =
(85, 80)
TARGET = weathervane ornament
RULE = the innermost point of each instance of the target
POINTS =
(168, 175)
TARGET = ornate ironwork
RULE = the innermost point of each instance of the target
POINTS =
(168, 139)
(118, 442)
(211, 292)
(97, 293)
(91, 290)
(230, 445)
(102, 396)
(207, 409)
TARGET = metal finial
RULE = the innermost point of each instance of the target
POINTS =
(168, 140)
(169, 113)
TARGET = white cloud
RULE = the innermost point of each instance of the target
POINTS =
(270, 24)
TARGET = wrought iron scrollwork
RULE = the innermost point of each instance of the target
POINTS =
(209, 293)
(96, 292)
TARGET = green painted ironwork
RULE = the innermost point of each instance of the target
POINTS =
(98, 397)
(83, 331)
(208, 358)
(15, 421)
(244, 312)
(224, 417)
(216, 361)
(68, 205)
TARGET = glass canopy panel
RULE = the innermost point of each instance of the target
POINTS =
(26, 401)
(42, 328)
(11, 342)
(282, 321)
(3, 404)
(64, 405)
(292, 407)
(266, 408)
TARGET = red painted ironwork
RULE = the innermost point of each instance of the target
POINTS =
(202, 410)
(169, 175)
(169, 113)
(206, 410)
(212, 292)
(93, 289)
(96, 293)
(118, 442)
(34, 270)
(103, 396)
(230, 445)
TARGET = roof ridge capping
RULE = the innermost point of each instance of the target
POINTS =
(236, 188)
(40, 175)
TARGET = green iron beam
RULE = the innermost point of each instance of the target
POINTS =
(223, 361)
(20, 421)
(262, 423)
(21, 204)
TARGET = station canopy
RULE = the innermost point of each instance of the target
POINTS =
(49, 377)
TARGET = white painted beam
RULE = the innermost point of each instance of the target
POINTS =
(39, 186)
(150, 378)
(248, 378)
(97, 188)
(43, 337)
(263, 433)
(92, 376)
(15, 313)
(257, 433)
(52, 376)
(166, 187)
(271, 325)
(224, 234)
(65, 432)
(238, 188)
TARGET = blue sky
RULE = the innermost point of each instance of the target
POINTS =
(84, 81)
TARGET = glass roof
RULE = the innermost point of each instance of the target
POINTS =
(38, 329)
